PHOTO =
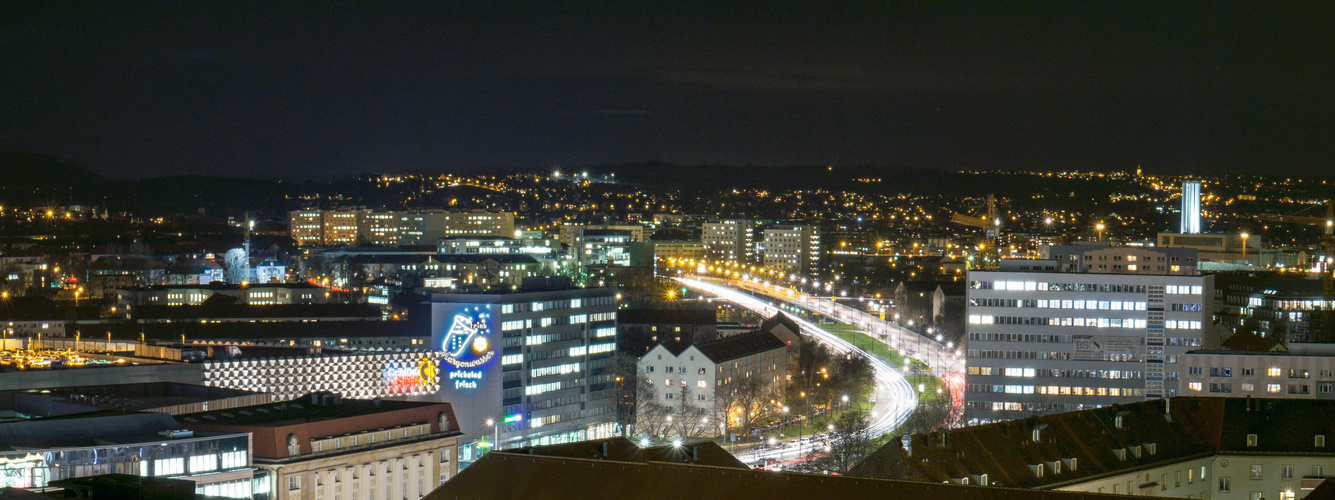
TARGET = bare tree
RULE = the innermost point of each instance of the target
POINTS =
(651, 415)
(849, 443)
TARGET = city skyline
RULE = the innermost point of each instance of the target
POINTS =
(325, 91)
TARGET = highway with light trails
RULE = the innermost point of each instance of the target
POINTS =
(896, 398)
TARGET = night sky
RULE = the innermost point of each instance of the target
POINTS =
(301, 90)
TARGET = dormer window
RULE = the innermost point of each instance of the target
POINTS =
(1037, 468)
(1121, 453)
(1135, 451)
(1150, 447)
(1320, 441)
(1251, 440)
(1070, 464)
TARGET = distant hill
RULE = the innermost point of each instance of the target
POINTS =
(39, 179)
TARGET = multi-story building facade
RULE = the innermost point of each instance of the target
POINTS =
(323, 446)
(379, 228)
(1306, 371)
(691, 380)
(678, 250)
(1042, 341)
(1276, 306)
(730, 240)
(340, 227)
(793, 249)
(306, 227)
(35, 452)
(528, 366)
(193, 295)
(349, 227)
(491, 245)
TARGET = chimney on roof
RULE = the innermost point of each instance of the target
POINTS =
(907, 441)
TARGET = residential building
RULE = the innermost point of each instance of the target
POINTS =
(527, 366)
(306, 227)
(793, 250)
(1186, 447)
(1042, 341)
(694, 378)
(35, 452)
(730, 240)
(324, 446)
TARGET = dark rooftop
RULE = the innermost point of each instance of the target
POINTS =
(1200, 426)
(308, 408)
(739, 346)
(620, 449)
(510, 475)
(679, 316)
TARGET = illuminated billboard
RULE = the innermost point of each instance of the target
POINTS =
(470, 343)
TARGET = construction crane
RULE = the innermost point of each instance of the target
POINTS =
(1328, 247)
(1327, 241)
(989, 222)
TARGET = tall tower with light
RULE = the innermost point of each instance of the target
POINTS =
(1191, 207)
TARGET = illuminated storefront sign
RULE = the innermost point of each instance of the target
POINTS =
(23, 472)
(424, 374)
(468, 346)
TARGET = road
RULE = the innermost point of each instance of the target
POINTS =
(946, 361)
(895, 397)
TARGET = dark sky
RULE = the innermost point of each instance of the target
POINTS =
(304, 89)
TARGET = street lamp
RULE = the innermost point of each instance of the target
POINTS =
(1244, 247)
(1100, 228)
(495, 434)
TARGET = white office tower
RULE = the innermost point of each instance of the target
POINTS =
(1050, 335)
(1191, 207)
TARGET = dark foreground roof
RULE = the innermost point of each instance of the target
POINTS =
(508, 475)
(1199, 427)
(619, 449)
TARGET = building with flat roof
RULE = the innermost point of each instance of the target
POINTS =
(165, 397)
(527, 366)
(1044, 341)
(730, 240)
(639, 329)
(323, 446)
(35, 452)
(793, 250)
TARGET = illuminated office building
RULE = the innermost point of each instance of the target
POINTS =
(534, 362)
(1090, 326)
